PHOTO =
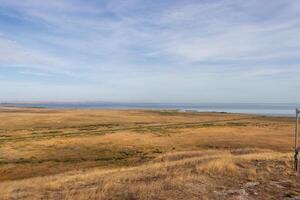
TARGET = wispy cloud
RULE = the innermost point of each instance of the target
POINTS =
(196, 43)
(13, 54)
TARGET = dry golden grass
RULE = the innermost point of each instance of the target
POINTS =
(221, 166)
(137, 154)
(191, 176)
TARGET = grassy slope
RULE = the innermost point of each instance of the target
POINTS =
(164, 147)
(210, 174)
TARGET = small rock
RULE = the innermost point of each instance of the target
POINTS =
(251, 184)
(237, 192)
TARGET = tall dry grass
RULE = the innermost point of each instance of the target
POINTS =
(182, 175)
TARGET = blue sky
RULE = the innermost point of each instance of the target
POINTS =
(150, 50)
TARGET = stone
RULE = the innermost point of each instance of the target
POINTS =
(251, 184)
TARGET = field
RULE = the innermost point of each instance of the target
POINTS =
(145, 154)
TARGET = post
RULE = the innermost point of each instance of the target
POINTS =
(296, 141)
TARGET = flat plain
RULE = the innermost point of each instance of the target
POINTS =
(145, 154)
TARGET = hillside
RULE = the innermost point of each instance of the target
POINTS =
(138, 154)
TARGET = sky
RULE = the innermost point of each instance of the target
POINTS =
(164, 51)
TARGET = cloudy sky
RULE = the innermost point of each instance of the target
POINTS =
(150, 50)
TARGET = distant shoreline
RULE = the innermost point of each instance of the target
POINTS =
(282, 110)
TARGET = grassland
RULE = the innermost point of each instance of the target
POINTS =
(144, 154)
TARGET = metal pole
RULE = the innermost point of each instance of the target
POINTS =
(296, 141)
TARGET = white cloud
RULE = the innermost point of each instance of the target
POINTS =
(227, 30)
(197, 31)
(113, 42)
(11, 53)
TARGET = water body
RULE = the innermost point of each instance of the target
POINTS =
(276, 109)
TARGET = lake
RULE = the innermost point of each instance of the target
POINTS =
(276, 109)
